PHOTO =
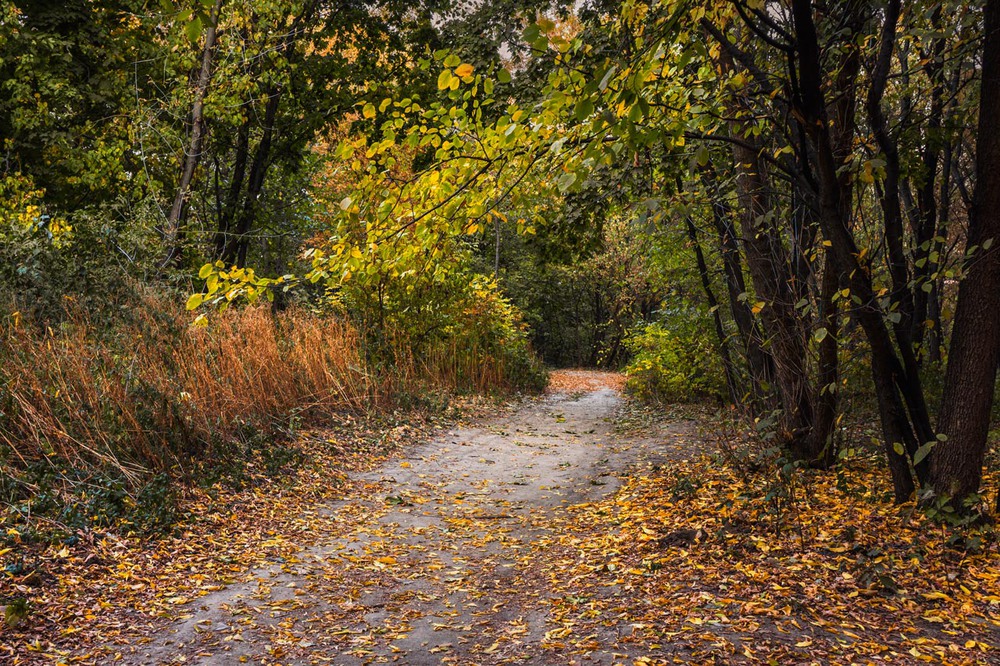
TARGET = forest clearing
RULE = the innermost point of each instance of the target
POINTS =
(516, 332)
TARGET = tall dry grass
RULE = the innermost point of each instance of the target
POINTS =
(150, 392)
(155, 392)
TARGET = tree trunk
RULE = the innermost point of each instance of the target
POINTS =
(956, 467)
(713, 303)
(760, 365)
(174, 229)
(769, 272)
(821, 446)
(224, 228)
(238, 242)
(888, 373)
(927, 249)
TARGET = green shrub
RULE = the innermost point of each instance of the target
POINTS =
(674, 362)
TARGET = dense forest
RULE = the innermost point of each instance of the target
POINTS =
(223, 221)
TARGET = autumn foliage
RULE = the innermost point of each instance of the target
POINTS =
(156, 393)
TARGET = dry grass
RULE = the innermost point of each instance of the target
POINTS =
(152, 393)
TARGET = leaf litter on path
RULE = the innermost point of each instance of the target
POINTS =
(609, 537)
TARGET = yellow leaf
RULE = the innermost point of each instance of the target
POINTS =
(463, 70)
(386, 560)
(937, 595)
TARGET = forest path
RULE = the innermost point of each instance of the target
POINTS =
(442, 560)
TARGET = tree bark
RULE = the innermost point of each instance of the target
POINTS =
(173, 230)
(928, 250)
(225, 223)
(970, 378)
(706, 284)
(759, 362)
(238, 242)
(887, 371)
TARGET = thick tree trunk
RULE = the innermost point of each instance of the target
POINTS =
(173, 230)
(772, 283)
(926, 264)
(956, 467)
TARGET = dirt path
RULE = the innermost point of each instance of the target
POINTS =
(442, 561)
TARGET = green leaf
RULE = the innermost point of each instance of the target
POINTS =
(701, 155)
(898, 448)
(583, 109)
(194, 301)
(194, 28)
(444, 79)
(369, 110)
(922, 452)
(566, 181)
(820, 334)
(503, 76)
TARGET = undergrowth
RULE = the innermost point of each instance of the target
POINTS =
(100, 421)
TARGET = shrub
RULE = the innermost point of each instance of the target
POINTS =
(674, 361)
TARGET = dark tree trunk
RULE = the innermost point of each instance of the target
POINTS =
(772, 282)
(887, 371)
(760, 365)
(173, 230)
(956, 468)
(928, 250)
(821, 445)
(228, 214)
(238, 242)
(706, 284)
